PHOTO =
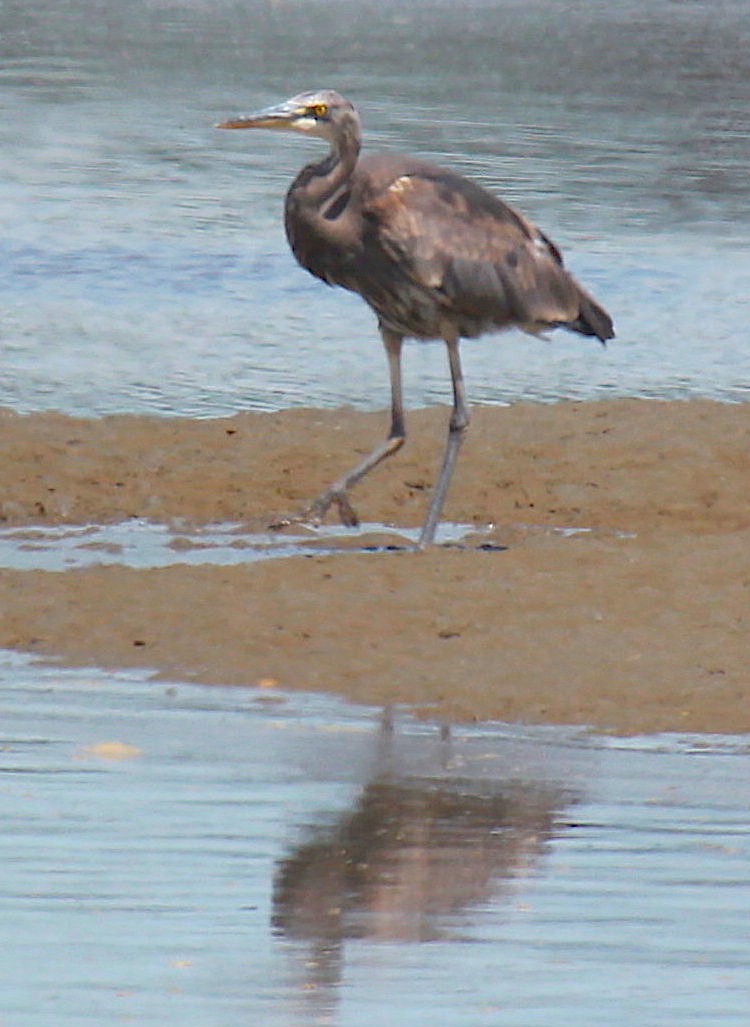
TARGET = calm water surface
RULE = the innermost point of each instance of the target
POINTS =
(143, 265)
(142, 544)
(256, 858)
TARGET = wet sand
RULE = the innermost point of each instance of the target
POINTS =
(638, 624)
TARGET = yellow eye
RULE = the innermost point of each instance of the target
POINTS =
(319, 110)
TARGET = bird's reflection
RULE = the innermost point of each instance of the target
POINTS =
(407, 864)
(409, 856)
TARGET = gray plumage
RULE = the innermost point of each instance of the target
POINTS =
(435, 255)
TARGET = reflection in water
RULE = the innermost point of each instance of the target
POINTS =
(140, 891)
(406, 864)
(407, 856)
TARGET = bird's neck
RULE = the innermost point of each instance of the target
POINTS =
(320, 181)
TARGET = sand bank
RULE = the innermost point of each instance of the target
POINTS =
(639, 623)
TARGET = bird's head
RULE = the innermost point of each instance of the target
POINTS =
(323, 113)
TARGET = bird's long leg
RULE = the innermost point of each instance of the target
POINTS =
(337, 492)
(459, 422)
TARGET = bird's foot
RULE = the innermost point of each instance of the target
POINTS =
(316, 511)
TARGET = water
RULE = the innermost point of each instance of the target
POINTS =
(142, 544)
(244, 856)
(143, 265)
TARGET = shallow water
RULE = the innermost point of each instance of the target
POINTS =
(142, 544)
(143, 265)
(245, 856)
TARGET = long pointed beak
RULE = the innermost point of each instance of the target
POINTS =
(281, 115)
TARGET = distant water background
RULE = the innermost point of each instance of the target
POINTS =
(143, 265)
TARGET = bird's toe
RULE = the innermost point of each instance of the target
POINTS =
(347, 513)
(315, 513)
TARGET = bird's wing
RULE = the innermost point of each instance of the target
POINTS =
(483, 258)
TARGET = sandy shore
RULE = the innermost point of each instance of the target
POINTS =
(639, 624)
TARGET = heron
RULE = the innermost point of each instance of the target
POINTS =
(434, 254)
